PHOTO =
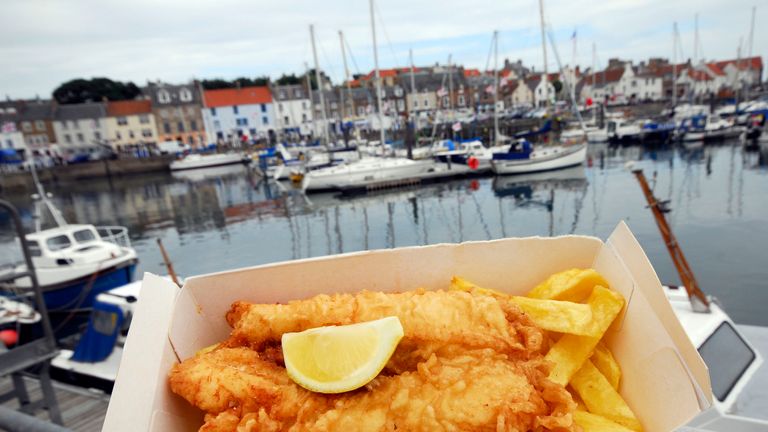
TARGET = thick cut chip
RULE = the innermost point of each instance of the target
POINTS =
(559, 316)
(572, 285)
(595, 423)
(602, 399)
(606, 364)
(461, 284)
(571, 351)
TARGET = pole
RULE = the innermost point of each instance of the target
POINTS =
(594, 83)
(749, 52)
(346, 77)
(544, 77)
(319, 85)
(311, 97)
(378, 75)
(495, 87)
(412, 114)
(695, 54)
(168, 262)
(699, 301)
(674, 65)
(450, 87)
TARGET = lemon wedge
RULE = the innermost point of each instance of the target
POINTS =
(337, 359)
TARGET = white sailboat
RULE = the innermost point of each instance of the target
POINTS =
(197, 161)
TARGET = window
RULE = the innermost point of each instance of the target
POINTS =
(303, 105)
(242, 122)
(9, 143)
(67, 139)
(360, 110)
(193, 125)
(220, 135)
(264, 121)
(180, 126)
(122, 121)
(95, 122)
(167, 127)
(64, 125)
(426, 103)
(634, 83)
(118, 136)
(445, 101)
(400, 105)
(727, 356)
(185, 95)
(97, 135)
(296, 93)
(58, 243)
(213, 112)
(263, 108)
(164, 113)
(34, 248)
(84, 236)
(163, 96)
(303, 117)
(131, 135)
(415, 103)
(26, 126)
(286, 120)
(144, 119)
(280, 107)
(80, 137)
(216, 125)
(146, 133)
(282, 94)
(253, 132)
(235, 109)
(461, 100)
(40, 125)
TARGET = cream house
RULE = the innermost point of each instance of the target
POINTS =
(130, 124)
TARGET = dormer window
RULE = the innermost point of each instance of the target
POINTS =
(185, 95)
(163, 96)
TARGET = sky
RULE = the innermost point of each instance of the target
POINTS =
(45, 42)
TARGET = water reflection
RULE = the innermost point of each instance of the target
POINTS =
(216, 219)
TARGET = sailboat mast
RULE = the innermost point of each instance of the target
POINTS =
(346, 78)
(749, 52)
(319, 85)
(378, 75)
(450, 87)
(413, 84)
(495, 87)
(674, 64)
(695, 53)
(594, 82)
(544, 77)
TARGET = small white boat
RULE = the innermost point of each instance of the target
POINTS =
(366, 172)
(471, 157)
(621, 131)
(196, 161)
(523, 158)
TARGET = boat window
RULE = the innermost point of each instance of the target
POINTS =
(104, 322)
(34, 248)
(728, 357)
(58, 243)
(84, 236)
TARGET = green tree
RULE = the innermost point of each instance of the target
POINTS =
(216, 83)
(94, 90)
(286, 79)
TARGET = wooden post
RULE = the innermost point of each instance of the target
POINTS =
(168, 263)
(683, 269)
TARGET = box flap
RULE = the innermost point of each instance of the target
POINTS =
(147, 358)
(669, 361)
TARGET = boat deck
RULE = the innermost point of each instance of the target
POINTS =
(82, 410)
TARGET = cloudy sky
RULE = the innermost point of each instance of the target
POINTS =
(44, 43)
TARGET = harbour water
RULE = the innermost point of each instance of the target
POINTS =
(223, 218)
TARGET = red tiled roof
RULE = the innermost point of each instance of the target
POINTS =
(611, 75)
(384, 73)
(128, 107)
(471, 72)
(743, 64)
(237, 96)
(698, 75)
(715, 69)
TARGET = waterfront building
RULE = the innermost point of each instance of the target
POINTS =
(517, 93)
(293, 109)
(540, 93)
(80, 129)
(10, 136)
(177, 111)
(34, 119)
(130, 124)
(238, 115)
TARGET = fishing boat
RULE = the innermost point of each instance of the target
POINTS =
(198, 161)
(73, 264)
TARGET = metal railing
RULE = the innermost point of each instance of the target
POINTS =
(115, 234)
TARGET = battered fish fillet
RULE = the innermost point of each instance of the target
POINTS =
(456, 389)
(447, 317)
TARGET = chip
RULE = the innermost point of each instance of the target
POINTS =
(572, 285)
(595, 423)
(601, 398)
(606, 364)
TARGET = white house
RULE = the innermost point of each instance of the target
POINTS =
(10, 138)
(238, 114)
(540, 94)
(293, 109)
(518, 94)
(80, 128)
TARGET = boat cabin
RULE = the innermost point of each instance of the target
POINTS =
(69, 244)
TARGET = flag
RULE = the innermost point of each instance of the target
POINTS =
(456, 127)
(442, 92)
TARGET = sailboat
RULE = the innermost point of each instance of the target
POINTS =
(521, 156)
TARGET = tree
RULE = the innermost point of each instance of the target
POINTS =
(94, 90)
(291, 79)
(558, 85)
(218, 83)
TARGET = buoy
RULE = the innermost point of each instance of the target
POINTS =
(9, 337)
(473, 162)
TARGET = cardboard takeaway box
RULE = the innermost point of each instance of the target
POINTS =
(664, 379)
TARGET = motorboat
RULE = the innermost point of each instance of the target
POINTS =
(198, 161)
(523, 158)
(621, 131)
(471, 157)
(368, 171)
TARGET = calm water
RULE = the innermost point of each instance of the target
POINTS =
(225, 218)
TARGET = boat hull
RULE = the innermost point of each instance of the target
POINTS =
(569, 158)
(206, 162)
(348, 178)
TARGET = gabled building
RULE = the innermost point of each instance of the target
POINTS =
(517, 93)
(80, 128)
(238, 114)
(177, 111)
(130, 124)
(10, 136)
(35, 121)
(293, 109)
(542, 92)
